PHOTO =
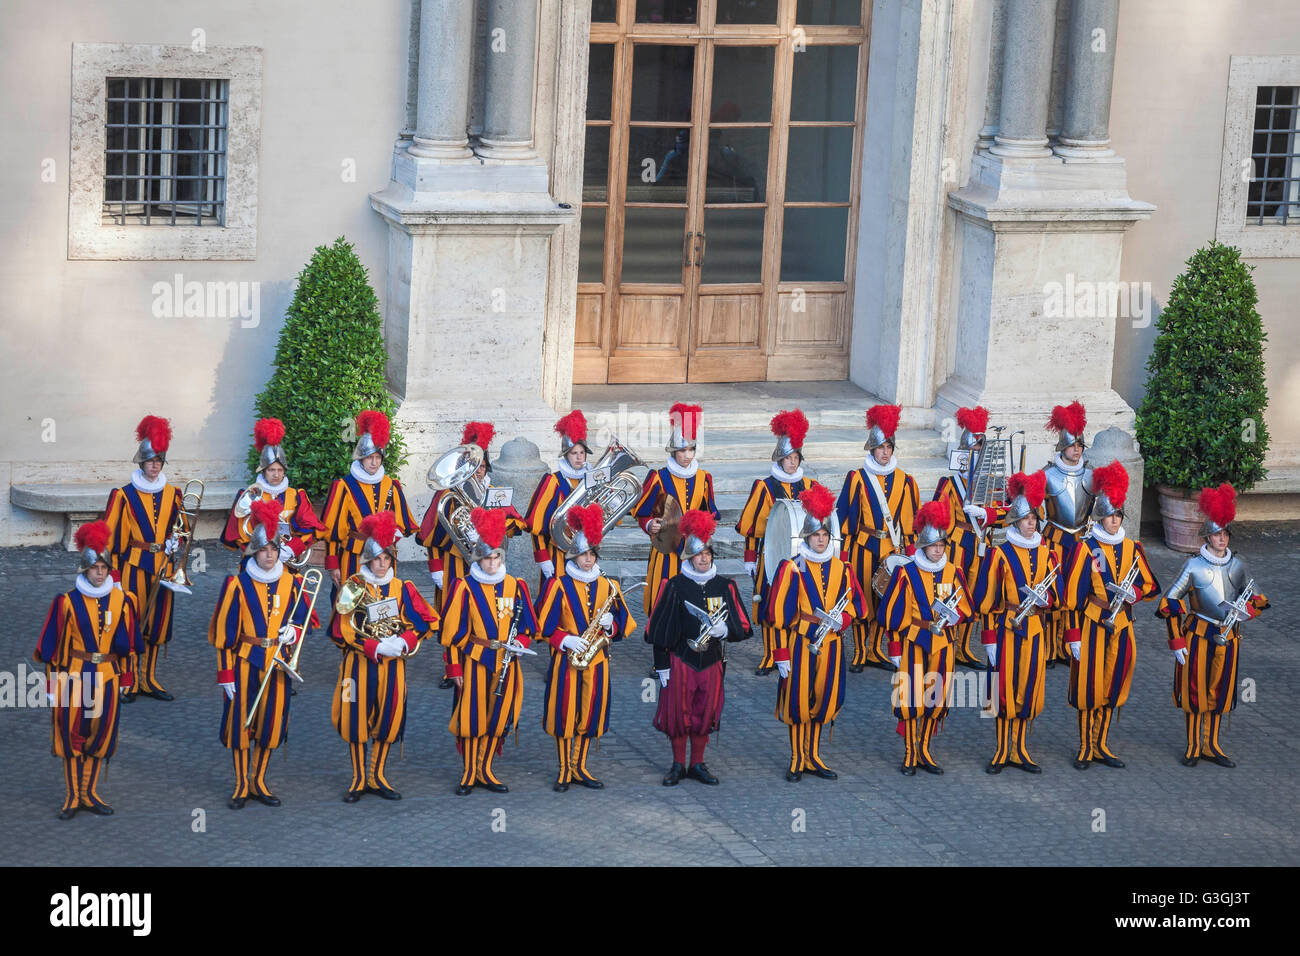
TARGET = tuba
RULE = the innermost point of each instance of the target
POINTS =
(616, 496)
(454, 473)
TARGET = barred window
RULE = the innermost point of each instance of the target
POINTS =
(165, 152)
(1274, 197)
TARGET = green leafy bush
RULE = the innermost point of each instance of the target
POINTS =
(1202, 421)
(329, 366)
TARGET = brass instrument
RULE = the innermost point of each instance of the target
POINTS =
(594, 635)
(1122, 591)
(379, 617)
(310, 587)
(454, 473)
(174, 576)
(1036, 596)
(700, 642)
(830, 621)
(253, 493)
(616, 497)
(1238, 611)
(668, 537)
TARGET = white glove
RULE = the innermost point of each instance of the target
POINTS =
(607, 621)
(287, 634)
(783, 668)
(719, 629)
(1180, 655)
(572, 642)
(548, 567)
(992, 651)
(229, 688)
(390, 647)
(663, 678)
(437, 578)
(751, 568)
(286, 553)
(171, 545)
(976, 515)
(1074, 649)
(896, 661)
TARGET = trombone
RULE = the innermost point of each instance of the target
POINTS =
(311, 582)
(174, 578)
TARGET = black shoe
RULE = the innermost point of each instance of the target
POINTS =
(464, 788)
(100, 808)
(266, 798)
(445, 683)
(826, 773)
(1189, 761)
(794, 776)
(675, 774)
(763, 671)
(237, 803)
(700, 772)
(159, 694)
(496, 788)
(855, 668)
(588, 781)
(129, 696)
(69, 813)
(1221, 759)
(1109, 761)
(994, 767)
(907, 770)
(1051, 663)
(352, 796)
(931, 767)
(1082, 764)
(388, 793)
(560, 786)
(1030, 767)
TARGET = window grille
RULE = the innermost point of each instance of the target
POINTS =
(1274, 197)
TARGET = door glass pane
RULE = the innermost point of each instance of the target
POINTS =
(742, 84)
(825, 83)
(604, 11)
(813, 243)
(733, 249)
(819, 164)
(600, 80)
(653, 244)
(666, 11)
(662, 81)
(838, 12)
(737, 165)
(591, 245)
(595, 165)
(747, 11)
(658, 164)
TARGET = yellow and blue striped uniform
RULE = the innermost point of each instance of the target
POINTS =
(349, 503)
(692, 494)
(295, 509)
(551, 492)
(964, 550)
(753, 525)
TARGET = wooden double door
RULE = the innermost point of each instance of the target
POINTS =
(720, 190)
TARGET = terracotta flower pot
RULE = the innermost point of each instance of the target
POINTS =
(1181, 518)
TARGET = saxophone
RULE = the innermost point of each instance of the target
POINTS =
(595, 636)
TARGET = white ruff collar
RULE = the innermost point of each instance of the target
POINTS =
(568, 471)
(371, 578)
(360, 474)
(266, 577)
(1101, 535)
(1068, 468)
(273, 490)
(696, 576)
(1020, 541)
(817, 557)
(925, 564)
(679, 472)
(88, 589)
(877, 469)
(779, 474)
(586, 577)
(482, 577)
(1208, 555)
(152, 487)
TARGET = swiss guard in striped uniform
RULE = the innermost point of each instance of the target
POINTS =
(1017, 652)
(141, 517)
(810, 689)
(554, 488)
(476, 623)
(1204, 632)
(681, 478)
(1069, 499)
(370, 697)
(972, 536)
(691, 678)
(786, 481)
(299, 524)
(877, 505)
(1108, 566)
(250, 623)
(921, 635)
(575, 709)
(88, 644)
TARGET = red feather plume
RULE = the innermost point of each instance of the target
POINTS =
(375, 424)
(1219, 504)
(590, 521)
(974, 420)
(937, 514)
(490, 523)
(267, 514)
(794, 425)
(382, 526)
(886, 416)
(478, 433)
(687, 417)
(701, 524)
(94, 536)
(1072, 418)
(572, 426)
(157, 430)
(817, 501)
(268, 431)
(1112, 481)
(1033, 487)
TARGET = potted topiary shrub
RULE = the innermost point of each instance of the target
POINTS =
(329, 365)
(1202, 420)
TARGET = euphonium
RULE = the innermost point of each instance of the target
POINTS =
(616, 496)
(454, 473)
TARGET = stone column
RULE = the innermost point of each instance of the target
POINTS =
(993, 96)
(511, 61)
(442, 109)
(1090, 69)
(1026, 79)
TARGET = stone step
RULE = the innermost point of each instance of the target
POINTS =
(737, 476)
(630, 572)
(823, 444)
(628, 542)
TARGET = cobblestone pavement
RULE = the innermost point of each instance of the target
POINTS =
(171, 777)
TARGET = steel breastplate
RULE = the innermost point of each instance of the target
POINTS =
(1211, 587)
(1068, 501)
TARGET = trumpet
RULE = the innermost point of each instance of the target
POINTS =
(310, 587)
(830, 622)
(174, 576)
(378, 617)
(700, 642)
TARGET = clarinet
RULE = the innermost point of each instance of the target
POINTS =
(508, 654)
